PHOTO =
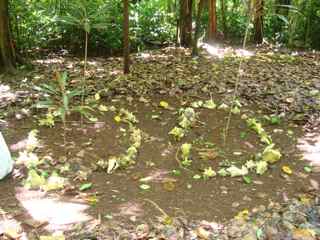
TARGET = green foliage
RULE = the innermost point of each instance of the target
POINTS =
(257, 127)
(153, 22)
(187, 117)
(57, 98)
(51, 23)
(85, 15)
(185, 154)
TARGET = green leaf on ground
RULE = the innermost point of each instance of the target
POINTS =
(85, 186)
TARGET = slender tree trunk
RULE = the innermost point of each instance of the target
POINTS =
(212, 31)
(197, 31)
(7, 53)
(258, 21)
(223, 18)
(307, 29)
(83, 83)
(126, 50)
(186, 23)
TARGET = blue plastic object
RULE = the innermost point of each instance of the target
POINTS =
(6, 163)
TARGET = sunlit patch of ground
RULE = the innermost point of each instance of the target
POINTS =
(50, 61)
(10, 227)
(309, 145)
(158, 176)
(131, 209)
(221, 52)
(57, 213)
(6, 95)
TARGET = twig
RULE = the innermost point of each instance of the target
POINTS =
(226, 129)
(157, 207)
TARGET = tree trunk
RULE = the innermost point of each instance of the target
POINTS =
(223, 18)
(186, 23)
(258, 21)
(7, 53)
(197, 31)
(212, 31)
(126, 50)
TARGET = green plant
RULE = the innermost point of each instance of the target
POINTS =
(187, 118)
(185, 154)
(257, 127)
(135, 140)
(48, 120)
(208, 173)
(85, 18)
(57, 97)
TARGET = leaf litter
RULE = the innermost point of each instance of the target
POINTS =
(253, 88)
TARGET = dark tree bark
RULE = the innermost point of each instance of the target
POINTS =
(186, 23)
(212, 31)
(197, 31)
(126, 49)
(223, 18)
(258, 21)
(7, 53)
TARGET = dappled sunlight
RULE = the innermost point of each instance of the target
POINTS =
(145, 55)
(93, 63)
(159, 175)
(57, 213)
(221, 52)
(10, 226)
(309, 145)
(20, 145)
(6, 95)
(50, 61)
(151, 57)
(130, 209)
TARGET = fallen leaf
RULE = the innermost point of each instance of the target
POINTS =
(236, 172)
(287, 170)
(97, 97)
(243, 215)
(261, 167)
(144, 186)
(303, 234)
(112, 164)
(271, 155)
(103, 108)
(169, 186)
(247, 179)
(85, 186)
(117, 118)
(164, 104)
(209, 104)
(34, 180)
(53, 237)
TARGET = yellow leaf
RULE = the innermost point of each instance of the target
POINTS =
(169, 186)
(92, 200)
(117, 118)
(103, 108)
(97, 96)
(300, 233)
(304, 199)
(287, 170)
(243, 215)
(12, 233)
(54, 237)
(164, 104)
(167, 220)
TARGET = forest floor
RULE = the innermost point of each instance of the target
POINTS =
(223, 146)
